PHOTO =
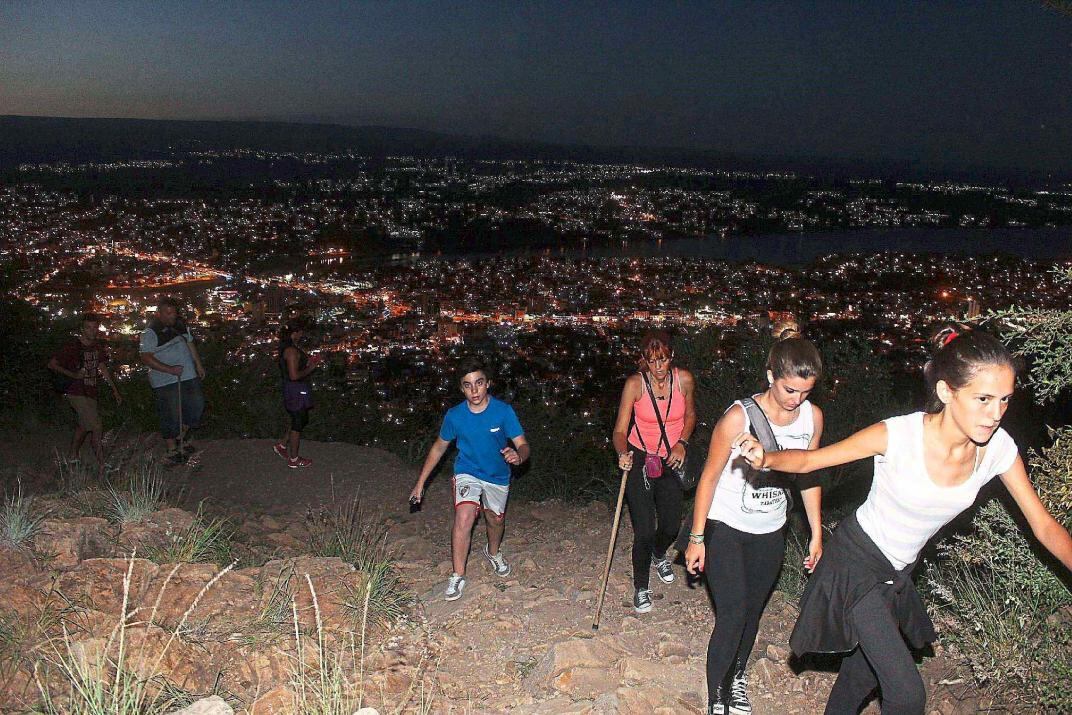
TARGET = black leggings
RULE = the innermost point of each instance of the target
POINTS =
(882, 660)
(655, 511)
(741, 570)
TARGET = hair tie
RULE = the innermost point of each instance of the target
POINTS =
(950, 338)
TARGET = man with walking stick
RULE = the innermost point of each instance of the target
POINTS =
(175, 373)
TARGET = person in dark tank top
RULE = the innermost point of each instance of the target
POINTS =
(295, 367)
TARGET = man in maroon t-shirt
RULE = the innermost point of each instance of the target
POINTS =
(82, 361)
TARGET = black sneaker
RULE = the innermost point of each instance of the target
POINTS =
(739, 702)
(188, 448)
(718, 705)
(642, 600)
(663, 568)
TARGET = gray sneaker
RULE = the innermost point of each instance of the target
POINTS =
(455, 586)
(642, 600)
(498, 562)
(663, 569)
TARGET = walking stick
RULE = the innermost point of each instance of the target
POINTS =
(182, 437)
(610, 549)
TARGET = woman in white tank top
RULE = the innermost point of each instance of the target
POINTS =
(737, 536)
(929, 467)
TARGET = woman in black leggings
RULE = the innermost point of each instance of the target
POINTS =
(656, 416)
(929, 467)
(737, 537)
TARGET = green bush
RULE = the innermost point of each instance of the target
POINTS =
(1007, 613)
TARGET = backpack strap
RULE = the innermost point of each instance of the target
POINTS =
(760, 425)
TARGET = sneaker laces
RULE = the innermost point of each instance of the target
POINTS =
(739, 687)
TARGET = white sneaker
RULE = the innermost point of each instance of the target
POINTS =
(498, 562)
(455, 586)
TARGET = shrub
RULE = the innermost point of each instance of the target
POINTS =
(1005, 612)
(1010, 616)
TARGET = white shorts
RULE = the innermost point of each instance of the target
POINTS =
(469, 489)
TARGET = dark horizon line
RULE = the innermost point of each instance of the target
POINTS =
(885, 168)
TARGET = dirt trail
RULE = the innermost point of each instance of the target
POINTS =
(523, 644)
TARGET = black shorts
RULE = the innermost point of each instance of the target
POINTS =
(298, 419)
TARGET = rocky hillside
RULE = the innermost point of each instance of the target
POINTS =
(281, 627)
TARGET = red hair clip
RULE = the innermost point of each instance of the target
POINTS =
(949, 338)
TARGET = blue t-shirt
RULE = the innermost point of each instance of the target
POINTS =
(481, 439)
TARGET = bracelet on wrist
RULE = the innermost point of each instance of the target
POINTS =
(695, 539)
(684, 442)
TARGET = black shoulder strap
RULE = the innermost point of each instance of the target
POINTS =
(760, 425)
(655, 408)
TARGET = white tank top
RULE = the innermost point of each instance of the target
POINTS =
(758, 510)
(905, 508)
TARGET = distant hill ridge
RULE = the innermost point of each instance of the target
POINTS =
(28, 139)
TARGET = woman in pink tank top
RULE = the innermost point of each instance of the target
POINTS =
(658, 392)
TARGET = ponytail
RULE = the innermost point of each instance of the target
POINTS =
(958, 352)
(792, 355)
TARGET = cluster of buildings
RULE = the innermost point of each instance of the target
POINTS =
(338, 248)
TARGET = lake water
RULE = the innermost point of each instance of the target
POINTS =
(792, 249)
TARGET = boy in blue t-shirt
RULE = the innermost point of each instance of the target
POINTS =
(490, 441)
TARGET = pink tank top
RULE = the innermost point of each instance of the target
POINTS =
(672, 410)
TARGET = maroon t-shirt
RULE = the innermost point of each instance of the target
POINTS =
(74, 356)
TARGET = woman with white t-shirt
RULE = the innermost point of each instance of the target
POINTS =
(737, 537)
(929, 467)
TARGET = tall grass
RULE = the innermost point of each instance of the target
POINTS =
(204, 540)
(76, 679)
(347, 530)
(332, 681)
(20, 519)
(144, 492)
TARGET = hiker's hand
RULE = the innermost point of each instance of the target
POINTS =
(416, 495)
(677, 456)
(695, 555)
(625, 460)
(815, 552)
(751, 450)
(175, 370)
(511, 456)
(201, 371)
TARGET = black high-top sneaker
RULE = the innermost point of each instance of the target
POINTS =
(739, 703)
(718, 705)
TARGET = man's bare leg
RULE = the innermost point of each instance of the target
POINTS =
(461, 535)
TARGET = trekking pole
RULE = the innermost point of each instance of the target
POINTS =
(610, 550)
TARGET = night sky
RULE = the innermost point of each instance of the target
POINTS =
(945, 84)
